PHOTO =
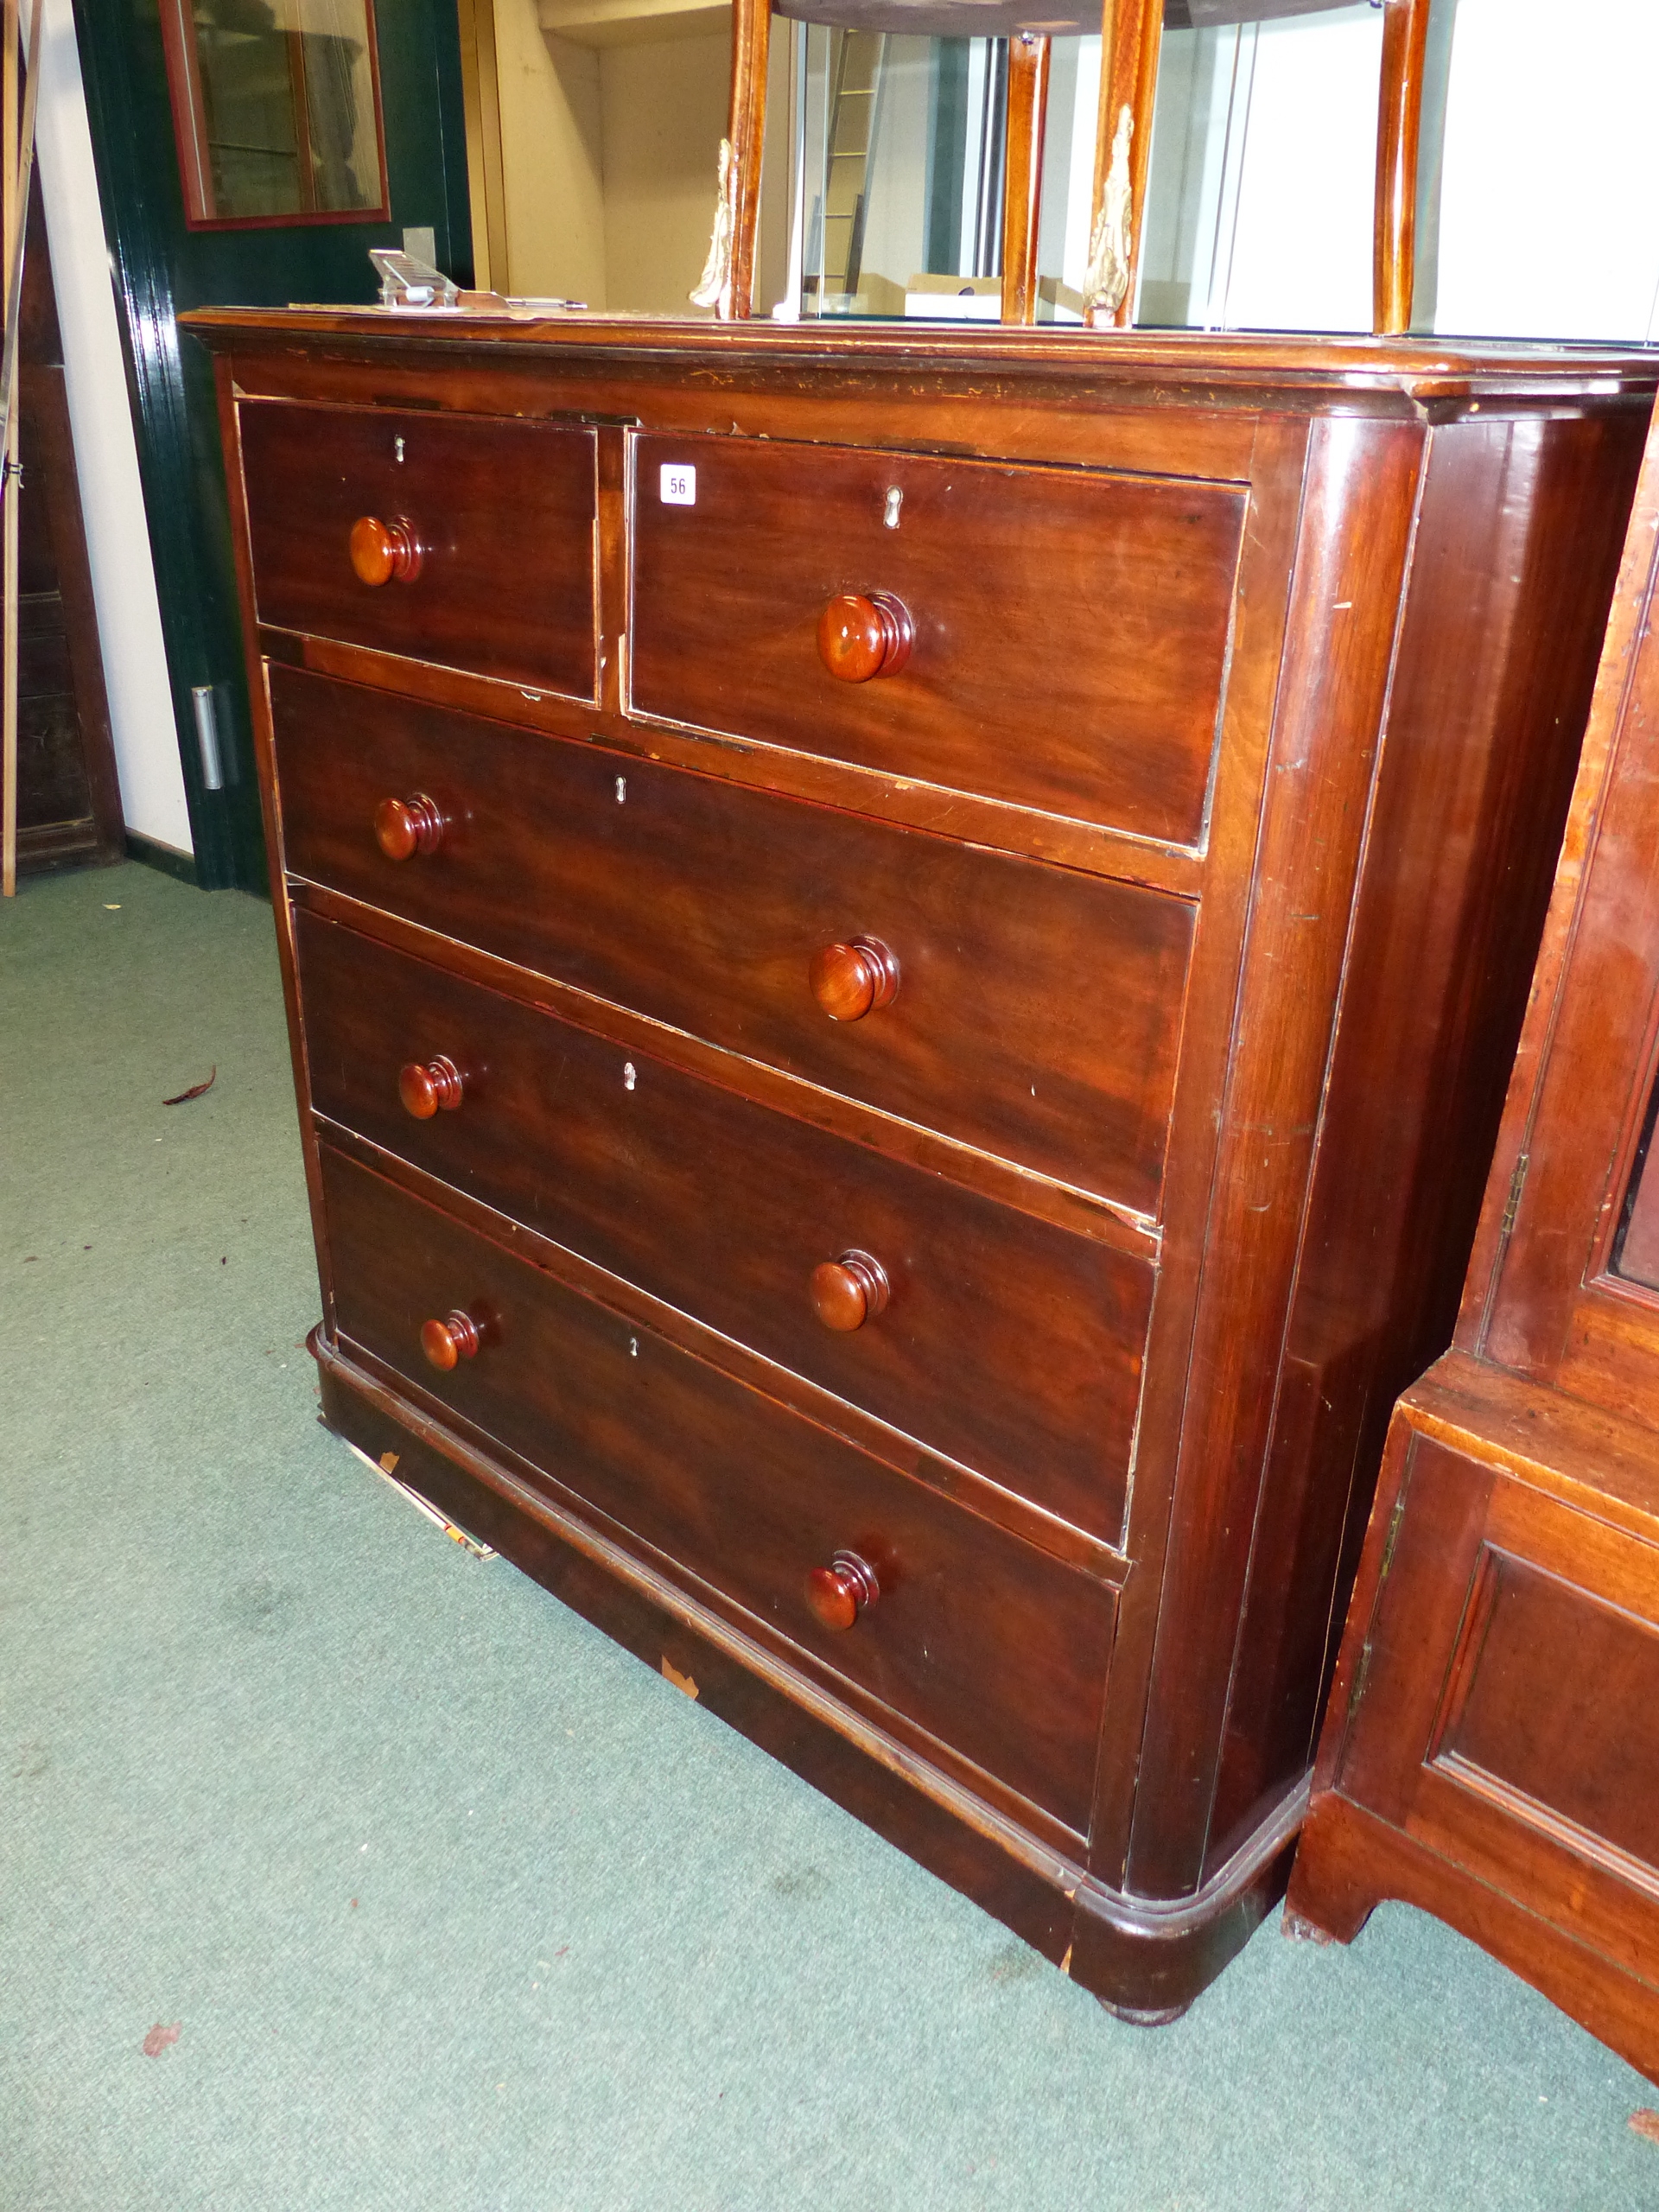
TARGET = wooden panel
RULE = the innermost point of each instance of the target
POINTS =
(978, 1637)
(1562, 1702)
(1099, 604)
(1038, 1012)
(724, 1209)
(502, 513)
(1488, 693)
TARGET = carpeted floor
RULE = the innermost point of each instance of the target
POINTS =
(442, 1901)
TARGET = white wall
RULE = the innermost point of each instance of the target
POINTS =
(117, 542)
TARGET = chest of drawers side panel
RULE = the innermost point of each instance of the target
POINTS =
(1512, 571)
(1351, 560)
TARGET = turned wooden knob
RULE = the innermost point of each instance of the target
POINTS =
(457, 1337)
(838, 1593)
(385, 552)
(423, 1089)
(403, 827)
(847, 1292)
(848, 980)
(860, 637)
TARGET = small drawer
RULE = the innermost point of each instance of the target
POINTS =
(1011, 1345)
(986, 1643)
(1053, 637)
(1027, 1010)
(456, 539)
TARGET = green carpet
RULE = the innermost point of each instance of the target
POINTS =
(455, 1905)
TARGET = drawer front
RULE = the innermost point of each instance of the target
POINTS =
(983, 1641)
(1037, 1010)
(1069, 629)
(502, 513)
(725, 1208)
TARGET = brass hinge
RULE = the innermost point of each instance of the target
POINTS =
(1517, 1183)
(1360, 1674)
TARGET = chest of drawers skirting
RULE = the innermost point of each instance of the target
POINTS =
(903, 953)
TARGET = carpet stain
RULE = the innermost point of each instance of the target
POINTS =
(1645, 2121)
(259, 1606)
(159, 2037)
(1015, 1962)
(800, 1882)
(33, 1760)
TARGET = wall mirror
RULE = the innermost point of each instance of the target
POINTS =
(276, 111)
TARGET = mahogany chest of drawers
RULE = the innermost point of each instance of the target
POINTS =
(902, 954)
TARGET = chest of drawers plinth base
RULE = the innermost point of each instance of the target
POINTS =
(902, 949)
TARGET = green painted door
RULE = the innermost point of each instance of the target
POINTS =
(161, 268)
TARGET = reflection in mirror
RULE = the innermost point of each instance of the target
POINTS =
(899, 151)
(1636, 1249)
(1068, 178)
(1261, 197)
(899, 194)
(276, 109)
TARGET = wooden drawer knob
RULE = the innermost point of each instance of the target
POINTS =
(403, 827)
(848, 980)
(385, 552)
(847, 1292)
(423, 1089)
(860, 637)
(457, 1337)
(838, 1593)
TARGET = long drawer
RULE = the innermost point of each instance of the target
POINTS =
(487, 533)
(1068, 629)
(986, 1643)
(1009, 1345)
(1037, 1013)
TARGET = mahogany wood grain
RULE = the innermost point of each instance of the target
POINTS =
(1119, 590)
(502, 514)
(552, 1133)
(824, 1110)
(1022, 172)
(1474, 784)
(979, 1638)
(703, 905)
(1358, 505)
(1567, 1142)
(1398, 132)
(1498, 1719)
(1490, 1750)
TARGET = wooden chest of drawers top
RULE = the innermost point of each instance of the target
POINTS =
(929, 889)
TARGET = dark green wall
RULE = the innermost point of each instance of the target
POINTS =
(160, 269)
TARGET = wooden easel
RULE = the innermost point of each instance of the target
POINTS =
(1132, 32)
